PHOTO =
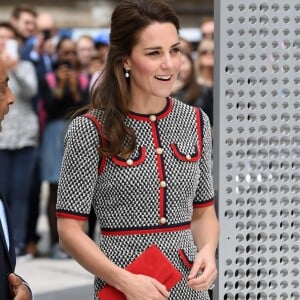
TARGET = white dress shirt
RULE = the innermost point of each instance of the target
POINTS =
(4, 223)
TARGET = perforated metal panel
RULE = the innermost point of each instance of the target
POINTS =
(257, 148)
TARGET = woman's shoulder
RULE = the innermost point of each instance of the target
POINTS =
(92, 116)
(85, 127)
(88, 121)
(188, 111)
(180, 107)
(179, 104)
(96, 113)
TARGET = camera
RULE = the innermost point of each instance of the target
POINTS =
(47, 34)
(65, 63)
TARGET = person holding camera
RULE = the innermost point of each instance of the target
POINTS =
(63, 94)
(41, 53)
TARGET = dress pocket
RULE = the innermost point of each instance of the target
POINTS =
(187, 261)
(187, 153)
(136, 159)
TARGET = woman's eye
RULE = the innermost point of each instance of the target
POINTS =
(176, 50)
(153, 53)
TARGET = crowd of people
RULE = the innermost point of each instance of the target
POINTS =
(51, 76)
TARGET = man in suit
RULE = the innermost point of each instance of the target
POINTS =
(12, 286)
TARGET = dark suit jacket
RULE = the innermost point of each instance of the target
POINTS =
(7, 258)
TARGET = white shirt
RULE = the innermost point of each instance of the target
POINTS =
(4, 223)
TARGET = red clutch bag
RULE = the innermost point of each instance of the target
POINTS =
(152, 262)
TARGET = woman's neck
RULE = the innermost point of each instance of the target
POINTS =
(147, 107)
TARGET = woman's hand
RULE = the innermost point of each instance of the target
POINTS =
(144, 288)
(204, 270)
(62, 74)
(205, 229)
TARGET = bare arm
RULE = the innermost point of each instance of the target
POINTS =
(205, 229)
(84, 250)
(74, 240)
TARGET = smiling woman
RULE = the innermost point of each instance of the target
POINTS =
(153, 66)
(127, 156)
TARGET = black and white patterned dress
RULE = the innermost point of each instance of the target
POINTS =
(148, 198)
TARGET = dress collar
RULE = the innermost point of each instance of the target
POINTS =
(153, 117)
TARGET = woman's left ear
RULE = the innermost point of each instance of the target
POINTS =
(126, 64)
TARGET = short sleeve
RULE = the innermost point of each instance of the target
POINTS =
(205, 191)
(79, 171)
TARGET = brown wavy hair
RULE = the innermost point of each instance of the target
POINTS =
(112, 94)
(191, 85)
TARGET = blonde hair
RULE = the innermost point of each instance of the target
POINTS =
(204, 45)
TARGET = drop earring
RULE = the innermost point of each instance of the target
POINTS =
(127, 74)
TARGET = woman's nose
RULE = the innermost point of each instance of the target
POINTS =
(167, 62)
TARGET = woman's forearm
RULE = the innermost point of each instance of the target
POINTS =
(84, 250)
(205, 228)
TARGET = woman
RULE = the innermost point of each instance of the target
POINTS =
(128, 156)
(63, 94)
(85, 50)
(205, 69)
(205, 63)
(186, 87)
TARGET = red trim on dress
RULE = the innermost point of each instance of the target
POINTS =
(185, 259)
(145, 231)
(160, 172)
(183, 157)
(199, 129)
(167, 111)
(71, 216)
(135, 162)
(96, 122)
(205, 204)
(101, 134)
(159, 116)
(102, 165)
(138, 117)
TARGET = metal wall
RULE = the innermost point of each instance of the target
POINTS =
(257, 148)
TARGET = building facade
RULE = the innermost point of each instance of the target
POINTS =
(96, 13)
